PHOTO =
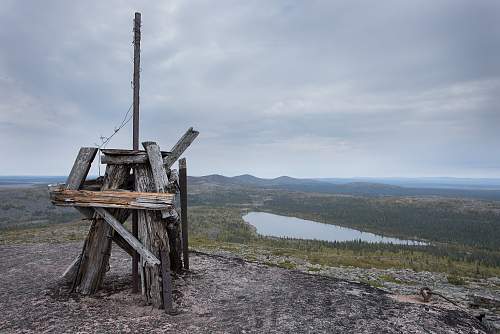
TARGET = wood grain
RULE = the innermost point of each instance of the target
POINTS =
(153, 235)
(158, 169)
(148, 257)
(111, 199)
(97, 245)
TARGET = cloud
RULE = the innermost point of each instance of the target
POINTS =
(300, 88)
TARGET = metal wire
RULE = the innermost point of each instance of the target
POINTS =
(106, 139)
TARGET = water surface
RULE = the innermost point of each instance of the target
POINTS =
(269, 224)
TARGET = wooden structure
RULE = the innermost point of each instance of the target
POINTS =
(139, 181)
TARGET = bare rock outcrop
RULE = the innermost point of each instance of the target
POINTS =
(219, 295)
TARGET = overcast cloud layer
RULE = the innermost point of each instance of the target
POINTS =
(300, 88)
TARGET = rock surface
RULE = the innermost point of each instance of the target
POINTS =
(219, 295)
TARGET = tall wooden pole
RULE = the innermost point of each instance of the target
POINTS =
(136, 85)
(184, 215)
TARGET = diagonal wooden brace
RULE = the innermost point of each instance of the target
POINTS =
(131, 240)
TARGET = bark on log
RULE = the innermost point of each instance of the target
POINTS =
(97, 246)
(153, 235)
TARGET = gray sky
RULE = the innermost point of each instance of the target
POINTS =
(300, 88)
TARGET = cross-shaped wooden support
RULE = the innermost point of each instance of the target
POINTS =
(159, 240)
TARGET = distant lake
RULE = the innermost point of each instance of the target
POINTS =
(269, 224)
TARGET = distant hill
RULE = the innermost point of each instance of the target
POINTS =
(425, 182)
(355, 187)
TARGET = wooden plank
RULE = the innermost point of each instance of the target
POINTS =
(155, 159)
(128, 237)
(81, 167)
(111, 199)
(123, 244)
(97, 246)
(159, 173)
(120, 157)
(120, 152)
(174, 238)
(71, 270)
(75, 180)
(184, 216)
(166, 282)
(123, 157)
(153, 234)
(180, 147)
(95, 184)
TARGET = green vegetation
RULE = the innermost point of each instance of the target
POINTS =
(465, 233)
(456, 280)
(26, 207)
(223, 228)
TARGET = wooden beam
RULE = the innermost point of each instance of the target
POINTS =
(180, 147)
(130, 157)
(159, 173)
(97, 246)
(124, 159)
(75, 180)
(120, 152)
(121, 157)
(123, 244)
(128, 237)
(81, 168)
(153, 234)
(184, 215)
(111, 199)
(166, 281)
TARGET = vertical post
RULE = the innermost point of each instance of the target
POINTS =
(135, 139)
(136, 83)
(184, 216)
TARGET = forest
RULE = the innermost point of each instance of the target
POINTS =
(463, 234)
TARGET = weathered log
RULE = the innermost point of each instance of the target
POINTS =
(159, 173)
(115, 152)
(180, 147)
(123, 244)
(81, 167)
(75, 180)
(121, 157)
(124, 159)
(153, 235)
(97, 246)
(71, 270)
(147, 256)
(166, 282)
(110, 199)
(184, 216)
(93, 185)
(174, 238)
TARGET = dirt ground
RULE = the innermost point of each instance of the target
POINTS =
(219, 295)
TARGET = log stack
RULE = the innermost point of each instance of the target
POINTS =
(134, 180)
